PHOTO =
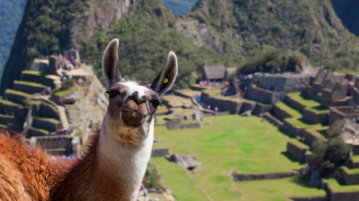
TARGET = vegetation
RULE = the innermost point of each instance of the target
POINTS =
(152, 177)
(309, 27)
(225, 143)
(329, 156)
(67, 87)
(44, 30)
(146, 36)
(272, 60)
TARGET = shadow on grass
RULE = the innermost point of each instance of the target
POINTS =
(290, 157)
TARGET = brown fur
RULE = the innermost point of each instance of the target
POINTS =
(26, 173)
(85, 181)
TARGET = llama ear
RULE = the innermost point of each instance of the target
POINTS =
(166, 78)
(110, 68)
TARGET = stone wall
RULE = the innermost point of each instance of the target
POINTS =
(32, 132)
(292, 130)
(279, 113)
(293, 103)
(261, 109)
(6, 120)
(285, 82)
(349, 178)
(315, 118)
(262, 176)
(160, 152)
(16, 98)
(45, 124)
(310, 198)
(39, 79)
(355, 149)
(342, 196)
(58, 145)
(311, 136)
(178, 124)
(223, 105)
(296, 151)
(233, 107)
(342, 112)
(190, 125)
(263, 95)
(28, 88)
(49, 111)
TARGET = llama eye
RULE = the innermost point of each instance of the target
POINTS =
(155, 103)
(112, 93)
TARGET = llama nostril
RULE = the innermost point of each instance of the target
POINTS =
(130, 105)
(142, 109)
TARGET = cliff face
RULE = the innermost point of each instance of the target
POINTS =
(49, 27)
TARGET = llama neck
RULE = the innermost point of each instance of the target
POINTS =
(124, 164)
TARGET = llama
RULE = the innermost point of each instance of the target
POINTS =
(116, 160)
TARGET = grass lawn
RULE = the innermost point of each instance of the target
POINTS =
(277, 189)
(304, 100)
(291, 111)
(224, 143)
(355, 158)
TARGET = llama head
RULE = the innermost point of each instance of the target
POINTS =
(132, 104)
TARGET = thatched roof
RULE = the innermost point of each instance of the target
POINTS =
(214, 72)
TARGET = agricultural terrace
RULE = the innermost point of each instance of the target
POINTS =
(229, 143)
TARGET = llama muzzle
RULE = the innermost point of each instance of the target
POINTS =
(134, 114)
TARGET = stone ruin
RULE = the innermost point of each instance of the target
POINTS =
(329, 88)
(270, 88)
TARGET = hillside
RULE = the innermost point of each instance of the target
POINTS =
(48, 27)
(226, 32)
(10, 17)
(312, 27)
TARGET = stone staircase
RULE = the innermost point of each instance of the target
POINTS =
(63, 117)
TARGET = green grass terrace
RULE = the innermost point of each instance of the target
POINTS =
(338, 187)
(298, 96)
(230, 143)
(291, 111)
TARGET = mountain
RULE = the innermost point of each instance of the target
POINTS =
(309, 26)
(228, 32)
(179, 6)
(48, 27)
(10, 17)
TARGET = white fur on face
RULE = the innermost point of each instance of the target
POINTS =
(133, 87)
